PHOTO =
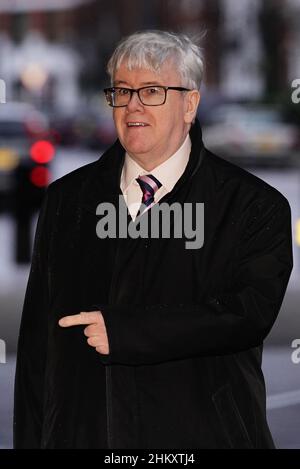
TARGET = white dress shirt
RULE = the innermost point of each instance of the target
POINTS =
(167, 173)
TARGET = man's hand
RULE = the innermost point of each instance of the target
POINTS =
(95, 331)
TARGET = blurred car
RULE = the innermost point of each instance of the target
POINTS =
(254, 133)
(90, 126)
(26, 151)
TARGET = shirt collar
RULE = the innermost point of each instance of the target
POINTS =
(167, 172)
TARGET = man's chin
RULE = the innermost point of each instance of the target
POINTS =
(136, 150)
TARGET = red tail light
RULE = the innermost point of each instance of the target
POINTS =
(42, 151)
(40, 176)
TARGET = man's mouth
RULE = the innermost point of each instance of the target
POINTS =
(136, 124)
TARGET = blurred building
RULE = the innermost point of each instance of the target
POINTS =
(37, 63)
(241, 50)
(55, 51)
(292, 14)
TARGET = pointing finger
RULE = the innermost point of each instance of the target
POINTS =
(80, 319)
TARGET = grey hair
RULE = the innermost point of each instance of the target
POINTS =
(151, 49)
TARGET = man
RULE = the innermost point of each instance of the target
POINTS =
(140, 342)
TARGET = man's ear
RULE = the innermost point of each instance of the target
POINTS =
(192, 102)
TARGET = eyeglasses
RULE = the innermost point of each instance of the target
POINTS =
(148, 95)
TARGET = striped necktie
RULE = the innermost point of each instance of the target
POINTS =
(149, 185)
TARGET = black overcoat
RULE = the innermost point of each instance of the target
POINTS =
(185, 326)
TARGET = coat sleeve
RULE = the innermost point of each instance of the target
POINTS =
(231, 321)
(32, 343)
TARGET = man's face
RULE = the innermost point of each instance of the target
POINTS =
(166, 125)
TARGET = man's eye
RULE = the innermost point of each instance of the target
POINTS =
(152, 90)
(122, 91)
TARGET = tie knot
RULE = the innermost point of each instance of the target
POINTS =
(149, 185)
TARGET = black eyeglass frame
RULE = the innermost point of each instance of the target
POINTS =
(137, 90)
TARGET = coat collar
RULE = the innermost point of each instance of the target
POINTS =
(103, 183)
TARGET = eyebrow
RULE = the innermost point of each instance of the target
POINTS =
(144, 83)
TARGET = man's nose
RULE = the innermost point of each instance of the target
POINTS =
(134, 102)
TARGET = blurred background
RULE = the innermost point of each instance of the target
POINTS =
(53, 119)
